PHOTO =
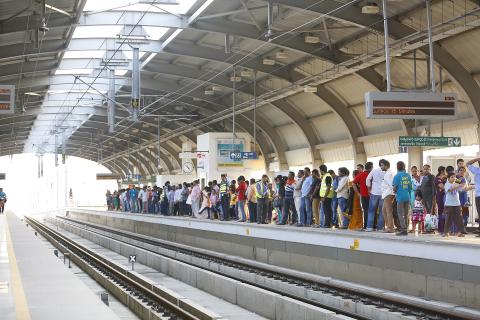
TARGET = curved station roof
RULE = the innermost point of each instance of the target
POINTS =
(307, 65)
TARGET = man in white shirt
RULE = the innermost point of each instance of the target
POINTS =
(143, 196)
(388, 197)
(297, 194)
(195, 196)
(374, 185)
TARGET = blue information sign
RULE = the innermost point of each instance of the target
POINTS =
(249, 155)
(237, 155)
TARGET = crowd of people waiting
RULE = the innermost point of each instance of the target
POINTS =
(375, 199)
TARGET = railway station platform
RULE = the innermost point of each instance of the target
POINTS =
(428, 266)
(34, 284)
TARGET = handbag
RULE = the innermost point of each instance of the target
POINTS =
(189, 200)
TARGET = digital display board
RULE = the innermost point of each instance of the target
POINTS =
(410, 105)
(7, 99)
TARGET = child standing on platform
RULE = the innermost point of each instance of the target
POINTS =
(418, 213)
(206, 204)
(453, 208)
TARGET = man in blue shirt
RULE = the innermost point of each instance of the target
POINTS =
(3, 198)
(402, 185)
(133, 199)
(476, 179)
(306, 204)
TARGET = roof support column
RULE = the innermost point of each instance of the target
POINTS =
(415, 156)
(359, 154)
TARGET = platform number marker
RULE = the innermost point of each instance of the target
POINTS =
(132, 258)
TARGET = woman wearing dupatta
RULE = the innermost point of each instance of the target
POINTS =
(354, 207)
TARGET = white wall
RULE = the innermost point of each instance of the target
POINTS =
(212, 170)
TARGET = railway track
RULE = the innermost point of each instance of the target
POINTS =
(136, 288)
(352, 301)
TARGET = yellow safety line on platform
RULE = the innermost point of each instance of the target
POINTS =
(21, 306)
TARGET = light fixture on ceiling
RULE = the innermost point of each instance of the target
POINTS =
(235, 78)
(310, 89)
(32, 94)
(312, 39)
(209, 92)
(370, 8)
(268, 61)
(57, 10)
(197, 99)
(217, 88)
(281, 55)
(246, 73)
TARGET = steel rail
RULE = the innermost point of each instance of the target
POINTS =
(422, 311)
(124, 278)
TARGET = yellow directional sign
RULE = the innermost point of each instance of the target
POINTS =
(135, 103)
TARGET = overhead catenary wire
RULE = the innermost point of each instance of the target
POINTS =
(105, 66)
(246, 57)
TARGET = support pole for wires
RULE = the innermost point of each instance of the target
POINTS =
(440, 74)
(415, 69)
(269, 19)
(387, 45)
(255, 110)
(430, 44)
(64, 147)
(129, 161)
(56, 149)
(227, 44)
(135, 103)
(111, 102)
(415, 80)
(36, 38)
(41, 166)
(233, 106)
(158, 145)
(38, 166)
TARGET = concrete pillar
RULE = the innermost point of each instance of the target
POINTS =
(415, 157)
(283, 166)
(360, 158)
(478, 139)
(316, 158)
(359, 154)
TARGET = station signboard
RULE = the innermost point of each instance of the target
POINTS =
(429, 141)
(410, 105)
(7, 99)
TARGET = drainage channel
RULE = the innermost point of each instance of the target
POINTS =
(352, 300)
